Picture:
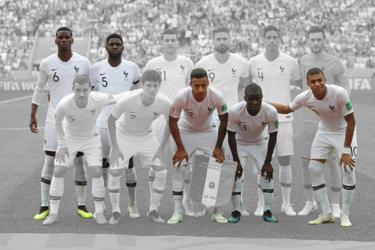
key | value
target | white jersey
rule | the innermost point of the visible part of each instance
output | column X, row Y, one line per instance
column 252, row 129
column 331, row 109
column 174, row 74
column 274, row 78
column 80, row 122
column 136, row 118
column 59, row 76
column 225, row 76
column 198, row 116
column 113, row 80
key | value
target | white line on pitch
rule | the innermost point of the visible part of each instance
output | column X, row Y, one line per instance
column 18, row 129
column 16, row 99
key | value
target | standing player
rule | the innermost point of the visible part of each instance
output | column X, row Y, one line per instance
column 80, row 110
column 134, row 136
column 247, row 137
column 114, row 75
column 227, row 72
column 175, row 71
column 197, row 129
column 335, row 134
column 274, row 71
column 58, row 71
column 334, row 72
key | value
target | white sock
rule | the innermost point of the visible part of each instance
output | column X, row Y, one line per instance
column 55, row 193
column 157, row 189
column 177, row 198
column 285, row 178
column 349, row 182
column 81, row 194
column 267, row 190
column 307, row 181
column 98, row 193
column 236, row 195
column 335, row 180
column 260, row 192
column 319, row 185
column 44, row 191
column 114, row 192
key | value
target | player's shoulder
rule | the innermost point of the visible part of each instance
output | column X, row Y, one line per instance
column 129, row 64
column 98, row 95
column 215, row 92
column 163, row 98
column 79, row 57
column 66, row 99
column 99, row 64
column 257, row 58
column 286, row 57
column 268, row 108
column 157, row 59
column 185, row 59
column 236, row 108
column 206, row 59
column 48, row 61
column 336, row 89
column 237, row 57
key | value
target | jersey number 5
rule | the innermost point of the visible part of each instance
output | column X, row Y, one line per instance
column 104, row 82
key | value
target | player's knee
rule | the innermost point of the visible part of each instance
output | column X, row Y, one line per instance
column 48, row 167
column 97, row 172
column 284, row 160
column 80, row 173
column 60, row 171
column 115, row 172
column 348, row 178
column 160, row 180
column 114, row 183
column 130, row 176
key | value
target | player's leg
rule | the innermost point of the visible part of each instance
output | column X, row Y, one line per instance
column 56, row 191
column 310, row 204
column 285, row 150
column 178, row 174
column 131, row 184
column 80, row 180
column 49, row 147
column 335, row 183
column 114, row 177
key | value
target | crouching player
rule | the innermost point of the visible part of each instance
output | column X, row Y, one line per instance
column 335, row 134
column 134, row 136
column 78, row 111
column 247, row 124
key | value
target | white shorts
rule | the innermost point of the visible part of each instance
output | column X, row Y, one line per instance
column 324, row 144
column 307, row 126
column 50, row 137
column 284, row 143
column 91, row 147
column 197, row 140
column 257, row 152
column 144, row 147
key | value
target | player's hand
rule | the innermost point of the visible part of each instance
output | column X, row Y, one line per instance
column 239, row 171
column 33, row 124
column 218, row 154
column 347, row 161
column 179, row 156
column 62, row 153
column 267, row 171
column 116, row 155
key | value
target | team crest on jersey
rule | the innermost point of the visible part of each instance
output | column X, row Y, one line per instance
column 331, row 108
column 243, row 126
column 126, row 74
column 264, row 123
column 70, row 118
column 182, row 67
column 234, row 70
column 210, row 109
column 156, row 114
column 282, row 69
column 132, row 115
column 93, row 111
column 76, row 69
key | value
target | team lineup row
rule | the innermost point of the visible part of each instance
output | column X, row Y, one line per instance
column 194, row 103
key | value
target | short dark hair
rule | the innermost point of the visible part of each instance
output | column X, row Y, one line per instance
column 253, row 89
column 313, row 71
column 171, row 31
column 81, row 79
column 64, row 29
column 114, row 35
column 271, row 28
column 220, row 29
column 151, row 76
column 198, row 73
column 316, row 29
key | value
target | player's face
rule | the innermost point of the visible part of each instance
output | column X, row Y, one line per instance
column 199, row 87
column 81, row 91
column 316, row 41
column 221, row 42
column 151, row 88
column 317, row 84
column 253, row 103
column 170, row 43
column 114, row 47
column 272, row 40
column 64, row 40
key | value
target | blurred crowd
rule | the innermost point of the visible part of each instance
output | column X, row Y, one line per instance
column 349, row 25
